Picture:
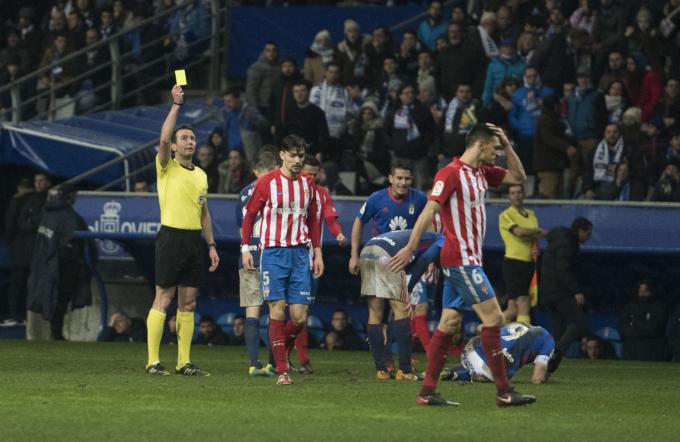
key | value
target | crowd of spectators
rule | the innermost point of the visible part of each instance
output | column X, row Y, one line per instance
column 35, row 34
column 587, row 90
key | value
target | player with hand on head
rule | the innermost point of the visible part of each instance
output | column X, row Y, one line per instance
column 182, row 196
column 523, row 344
column 458, row 195
column 285, row 200
column 394, row 208
column 249, row 281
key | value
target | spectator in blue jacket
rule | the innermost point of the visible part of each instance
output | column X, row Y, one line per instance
column 507, row 64
column 433, row 26
column 243, row 124
column 526, row 108
column 584, row 108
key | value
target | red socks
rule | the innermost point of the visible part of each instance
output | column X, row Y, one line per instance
column 436, row 357
column 493, row 351
column 301, row 346
column 277, row 339
column 419, row 328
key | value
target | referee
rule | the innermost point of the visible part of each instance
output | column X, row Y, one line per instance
column 182, row 192
column 520, row 233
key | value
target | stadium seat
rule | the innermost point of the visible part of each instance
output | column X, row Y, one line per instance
column 614, row 337
column 315, row 328
column 358, row 327
column 226, row 323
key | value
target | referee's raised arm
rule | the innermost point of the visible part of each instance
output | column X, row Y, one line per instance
column 169, row 125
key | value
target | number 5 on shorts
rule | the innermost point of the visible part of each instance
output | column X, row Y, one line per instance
column 265, row 278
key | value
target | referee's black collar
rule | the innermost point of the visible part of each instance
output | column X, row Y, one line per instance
column 188, row 168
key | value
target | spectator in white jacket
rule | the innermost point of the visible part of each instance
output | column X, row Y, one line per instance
column 336, row 103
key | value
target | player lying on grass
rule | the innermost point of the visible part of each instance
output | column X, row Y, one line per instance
column 522, row 345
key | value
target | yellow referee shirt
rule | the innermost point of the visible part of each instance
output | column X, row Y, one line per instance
column 516, row 247
column 181, row 194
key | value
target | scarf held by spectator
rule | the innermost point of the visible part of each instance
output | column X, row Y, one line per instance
column 603, row 159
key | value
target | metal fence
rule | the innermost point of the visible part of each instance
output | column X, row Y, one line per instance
column 121, row 66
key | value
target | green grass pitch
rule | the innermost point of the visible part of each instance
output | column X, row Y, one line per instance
column 99, row 392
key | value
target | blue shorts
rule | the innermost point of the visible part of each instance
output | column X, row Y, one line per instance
column 285, row 275
column 465, row 286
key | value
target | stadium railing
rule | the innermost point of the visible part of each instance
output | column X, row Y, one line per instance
column 116, row 65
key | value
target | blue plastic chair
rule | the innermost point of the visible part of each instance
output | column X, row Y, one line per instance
column 315, row 328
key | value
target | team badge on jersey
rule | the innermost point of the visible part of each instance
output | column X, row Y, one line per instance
column 438, row 187
column 411, row 209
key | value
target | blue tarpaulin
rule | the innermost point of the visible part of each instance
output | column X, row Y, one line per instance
column 71, row 146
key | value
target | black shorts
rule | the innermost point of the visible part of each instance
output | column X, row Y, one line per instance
column 517, row 277
column 179, row 258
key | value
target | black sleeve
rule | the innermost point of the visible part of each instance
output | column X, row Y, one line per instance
column 11, row 219
column 565, row 258
column 652, row 326
column 588, row 181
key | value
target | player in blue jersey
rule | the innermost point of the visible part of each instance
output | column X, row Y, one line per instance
column 249, row 282
column 379, row 283
column 522, row 344
column 395, row 208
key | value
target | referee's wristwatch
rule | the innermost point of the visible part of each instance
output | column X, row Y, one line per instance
column 212, row 244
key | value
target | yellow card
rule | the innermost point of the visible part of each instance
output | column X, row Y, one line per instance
column 180, row 77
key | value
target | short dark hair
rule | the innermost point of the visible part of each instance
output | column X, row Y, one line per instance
column 581, row 223
column 341, row 310
column 234, row 90
column 294, row 142
column 310, row 160
column 510, row 186
column 481, row 132
column 400, row 164
column 239, row 316
column 266, row 161
column 173, row 139
column 301, row 82
column 207, row 318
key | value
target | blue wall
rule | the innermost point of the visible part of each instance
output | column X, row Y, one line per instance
column 294, row 28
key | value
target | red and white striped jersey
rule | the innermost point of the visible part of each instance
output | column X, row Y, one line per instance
column 460, row 189
column 287, row 211
column 325, row 210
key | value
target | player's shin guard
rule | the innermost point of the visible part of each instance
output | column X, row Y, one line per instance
column 154, row 330
column 301, row 346
column 436, row 358
column 493, row 352
column 185, row 333
column 277, row 338
column 376, row 342
column 402, row 335
column 419, row 325
column 252, row 338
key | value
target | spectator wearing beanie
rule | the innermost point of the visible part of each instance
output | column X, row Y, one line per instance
column 350, row 52
column 319, row 54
